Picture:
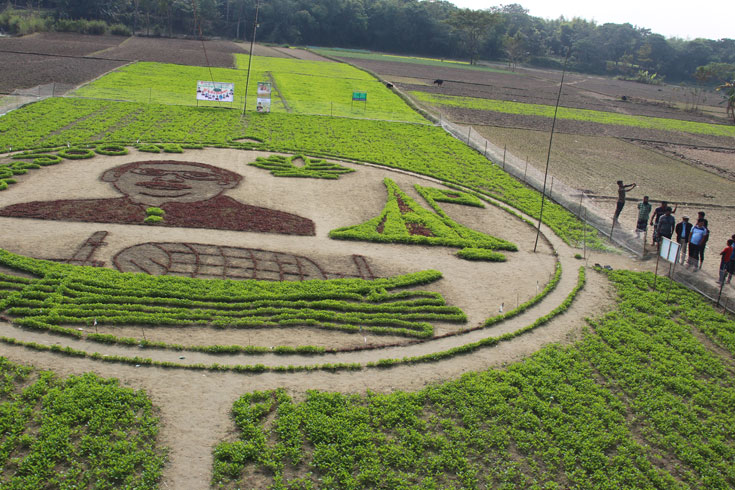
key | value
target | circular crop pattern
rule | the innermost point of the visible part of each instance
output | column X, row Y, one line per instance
column 112, row 150
column 45, row 160
column 76, row 153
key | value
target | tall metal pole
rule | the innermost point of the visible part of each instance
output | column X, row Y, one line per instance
column 548, row 154
column 250, row 56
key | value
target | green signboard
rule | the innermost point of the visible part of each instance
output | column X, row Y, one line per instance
column 359, row 96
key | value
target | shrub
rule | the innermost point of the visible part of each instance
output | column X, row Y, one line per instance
column 120, row 30
column 152, row 220
column 480, row 254
column 95, row 27
column 76, row 153
column 172, row 148
column 111, row 150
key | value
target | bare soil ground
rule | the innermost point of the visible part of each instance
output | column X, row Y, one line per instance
column 180, row 51
column 720, row 161
column 301, row 54
column 59, row 43
column 68, row 60
column 22, row 71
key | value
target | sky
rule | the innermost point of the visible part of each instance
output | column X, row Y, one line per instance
column 674, row 18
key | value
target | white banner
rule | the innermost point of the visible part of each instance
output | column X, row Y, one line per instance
column 264, row 105
column 217, row 91
column 264, row 97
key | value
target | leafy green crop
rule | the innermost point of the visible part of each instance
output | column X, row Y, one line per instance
column 72, row 295
column 305, row 87
column 648, row 122
column 282, row 166
column 423, row 149
column 57, row 122
column 404, row 221
column 639, row 403
column 434, row 195
column 165, row 83
column 78, row 432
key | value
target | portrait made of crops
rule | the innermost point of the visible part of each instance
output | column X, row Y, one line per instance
column 303, row 244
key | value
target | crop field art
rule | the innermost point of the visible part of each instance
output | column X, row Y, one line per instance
column 338, row 294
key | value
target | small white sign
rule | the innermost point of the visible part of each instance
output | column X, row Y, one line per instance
column 669, row 249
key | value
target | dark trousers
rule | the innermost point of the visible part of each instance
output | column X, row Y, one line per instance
column 619, row 208
column 694, row 254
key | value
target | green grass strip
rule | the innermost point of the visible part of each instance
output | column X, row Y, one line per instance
column 258, row 368
column 588, row 115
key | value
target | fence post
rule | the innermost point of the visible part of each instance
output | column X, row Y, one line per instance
column 485, row 149
column 584, row 228
column 504, row 148
column 551, row 190
column 579, row 210
column 469, row 132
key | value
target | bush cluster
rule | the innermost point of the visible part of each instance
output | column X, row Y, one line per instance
column 283, row 166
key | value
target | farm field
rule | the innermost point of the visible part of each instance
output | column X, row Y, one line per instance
column 629, row 140
column 309, row 301
column 539, row 86
column 67, row 60
column 366, row 55
column 646, row 122
column 303, row 87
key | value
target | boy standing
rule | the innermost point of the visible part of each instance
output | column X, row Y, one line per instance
column 622, row 189
column 725, row 268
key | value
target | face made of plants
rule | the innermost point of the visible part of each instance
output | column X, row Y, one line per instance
column 156, row 183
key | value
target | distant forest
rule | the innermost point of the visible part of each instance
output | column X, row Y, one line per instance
column 434, row 28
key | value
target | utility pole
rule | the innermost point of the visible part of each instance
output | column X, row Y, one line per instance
column 548, row 154
column 250, row 56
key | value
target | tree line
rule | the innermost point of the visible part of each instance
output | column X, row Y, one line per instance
column 419, row 27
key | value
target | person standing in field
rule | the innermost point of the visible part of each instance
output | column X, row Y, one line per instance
column 696, row 240
column 644, row 211
column 700, row 215
column 683, row 229
column 622, row 189
column 657, row 213
column 666, row 225
column 725, row 259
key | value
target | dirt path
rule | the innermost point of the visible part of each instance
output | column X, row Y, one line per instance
column 194, row 405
